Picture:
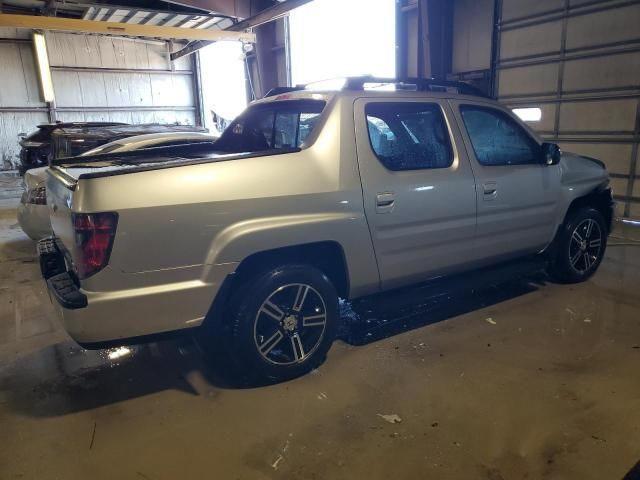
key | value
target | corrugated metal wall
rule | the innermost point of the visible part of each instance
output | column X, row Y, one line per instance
column 20, row 105
column 99, row 78
column 95, row 78
column 579, row 61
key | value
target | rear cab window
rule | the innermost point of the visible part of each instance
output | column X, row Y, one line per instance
column 409, row 135
column 278, row 125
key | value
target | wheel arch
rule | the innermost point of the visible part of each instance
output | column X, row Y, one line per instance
column 327, row 256
column 600, row 199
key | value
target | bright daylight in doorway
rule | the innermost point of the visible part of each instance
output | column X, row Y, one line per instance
column 332, row 38
column 224, row 94
column 350, row 48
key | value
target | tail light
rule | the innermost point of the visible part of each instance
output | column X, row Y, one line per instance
column 94, row 233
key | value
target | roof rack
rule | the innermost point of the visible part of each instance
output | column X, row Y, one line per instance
column 280, row 90
column 417, row 84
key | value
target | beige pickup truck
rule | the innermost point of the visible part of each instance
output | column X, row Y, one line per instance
column 309, row 196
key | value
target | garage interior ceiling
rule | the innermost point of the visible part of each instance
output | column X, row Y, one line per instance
column 118, row 28
column 154, row 13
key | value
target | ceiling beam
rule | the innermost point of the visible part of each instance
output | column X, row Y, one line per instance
column 83, row 6
column 230, row 8
column 121, row 29
column 267, row 15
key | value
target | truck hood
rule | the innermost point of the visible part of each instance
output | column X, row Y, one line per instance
column 578, row 170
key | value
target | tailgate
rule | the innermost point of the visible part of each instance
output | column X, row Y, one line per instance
column 61, row 190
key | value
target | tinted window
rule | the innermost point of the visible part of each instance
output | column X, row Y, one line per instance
column 409, row 136
column 271, row 126
column 498, row 139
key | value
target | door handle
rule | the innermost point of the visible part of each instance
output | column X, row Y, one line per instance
column 385, row 202
column 490, row 190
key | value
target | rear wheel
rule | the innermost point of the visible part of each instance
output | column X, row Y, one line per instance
column 579, row 246
column 283, row 322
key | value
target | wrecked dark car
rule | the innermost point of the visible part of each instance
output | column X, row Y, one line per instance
column 71, row 139
column 71, row 142
column 36, row 147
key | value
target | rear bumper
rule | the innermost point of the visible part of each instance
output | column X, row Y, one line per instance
column 61, row 284
column 96, row 318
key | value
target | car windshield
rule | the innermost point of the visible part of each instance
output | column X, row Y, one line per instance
column 271, row 126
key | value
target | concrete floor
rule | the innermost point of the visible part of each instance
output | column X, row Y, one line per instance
column 523, row 380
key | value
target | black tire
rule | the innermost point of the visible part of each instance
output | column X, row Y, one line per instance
column 579, row 246
column 270, row 343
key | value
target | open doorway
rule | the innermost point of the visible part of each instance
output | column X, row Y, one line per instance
column 338, row 38
column 224, row 94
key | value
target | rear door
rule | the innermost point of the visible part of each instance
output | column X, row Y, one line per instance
column 419, row 190
column 517, row 193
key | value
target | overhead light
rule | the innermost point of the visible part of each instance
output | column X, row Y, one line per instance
column 44, row 72
column 533, row 114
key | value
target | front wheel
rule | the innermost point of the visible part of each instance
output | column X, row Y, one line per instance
column 579, row 246
column 283, row 322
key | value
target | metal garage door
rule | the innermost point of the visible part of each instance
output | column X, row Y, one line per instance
column 20, row 106
column 100, row 78
column 579, row 61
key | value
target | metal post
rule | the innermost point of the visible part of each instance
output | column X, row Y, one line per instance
column 287, row 51
column 634, row 163
column 439, row 32
column 560, row 84
column 170, row 65
column 51, row 111
column 197, row 91
column 401, row 40
column 495, row 48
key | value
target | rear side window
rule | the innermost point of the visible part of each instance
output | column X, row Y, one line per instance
column 497, row 138
column 409, row 135
column 271, row 126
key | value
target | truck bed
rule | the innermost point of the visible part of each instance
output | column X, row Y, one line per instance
column 73, row 169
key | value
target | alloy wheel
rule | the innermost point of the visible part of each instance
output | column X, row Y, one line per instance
column 585, row 246
column 290, row 324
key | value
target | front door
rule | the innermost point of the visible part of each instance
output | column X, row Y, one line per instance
column 517, row 193
column 418, row 187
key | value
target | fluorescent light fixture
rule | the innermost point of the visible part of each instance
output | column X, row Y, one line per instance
column 44, row 72
column 533, row 114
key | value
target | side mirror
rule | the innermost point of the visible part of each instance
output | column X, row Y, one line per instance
column 551, row 153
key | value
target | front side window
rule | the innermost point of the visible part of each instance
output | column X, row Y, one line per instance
column 497, row 138
column 409, row 135
column 271, row 126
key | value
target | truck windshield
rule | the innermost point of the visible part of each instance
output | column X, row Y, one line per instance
column 271, row 126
